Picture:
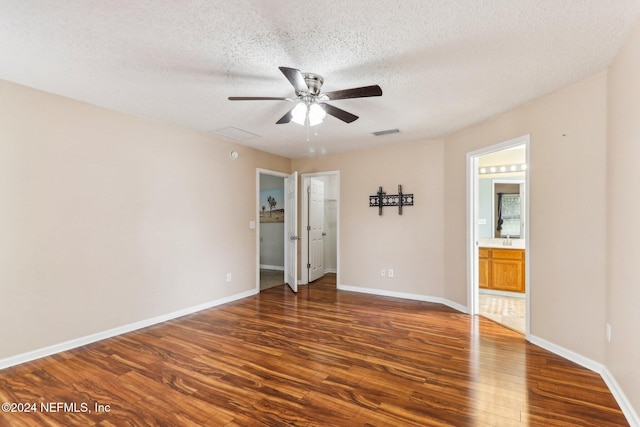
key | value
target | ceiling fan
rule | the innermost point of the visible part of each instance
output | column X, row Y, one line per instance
column 312, row 107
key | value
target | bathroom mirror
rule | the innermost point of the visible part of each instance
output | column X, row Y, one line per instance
column 501, row 208
column 508, row 215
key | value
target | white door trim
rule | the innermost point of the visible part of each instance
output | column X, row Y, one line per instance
column 304, row 222
column 472, row 224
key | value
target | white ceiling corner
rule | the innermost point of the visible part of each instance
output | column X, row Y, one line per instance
column 442, row 65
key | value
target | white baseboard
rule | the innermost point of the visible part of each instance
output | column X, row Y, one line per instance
column 416, row 297
column 272, row 267
column 77, row 342
column 566, row 353
column 626, row 407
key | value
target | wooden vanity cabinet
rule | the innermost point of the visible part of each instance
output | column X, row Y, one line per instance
column 484, row 268
column 501, row 269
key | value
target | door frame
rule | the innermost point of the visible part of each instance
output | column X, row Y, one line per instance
column 472, row 224
column 304, row 222
column 259, row 172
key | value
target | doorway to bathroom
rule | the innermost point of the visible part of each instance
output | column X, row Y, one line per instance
column 498, row 233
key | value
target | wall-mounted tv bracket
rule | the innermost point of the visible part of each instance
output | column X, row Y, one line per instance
column 381, row 199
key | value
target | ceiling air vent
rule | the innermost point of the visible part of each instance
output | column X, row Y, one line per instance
column 386, row 132
column 235, row 133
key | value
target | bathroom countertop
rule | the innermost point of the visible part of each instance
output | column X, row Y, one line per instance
column 498, row 244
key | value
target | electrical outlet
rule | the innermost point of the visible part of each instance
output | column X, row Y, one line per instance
column 228, row 277
column 391, row 273
column 383, row 272
column 608, row 332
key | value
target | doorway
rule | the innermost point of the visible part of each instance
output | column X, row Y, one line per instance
column 498, row 233
column 276, row 224
column 271, row 232
column 320, row 225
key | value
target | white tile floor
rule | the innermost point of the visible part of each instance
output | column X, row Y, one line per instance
column 508, row 311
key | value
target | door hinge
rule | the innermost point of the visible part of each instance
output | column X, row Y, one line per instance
column 308, row 265
column 308, row 228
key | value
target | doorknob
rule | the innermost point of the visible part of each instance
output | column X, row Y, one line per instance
column 324, row 234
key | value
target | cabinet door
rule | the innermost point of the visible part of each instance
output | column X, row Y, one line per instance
column 508, row 275
column 484, row 273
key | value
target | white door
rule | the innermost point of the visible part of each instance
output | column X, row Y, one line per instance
column 291, row 231
column 316, row 229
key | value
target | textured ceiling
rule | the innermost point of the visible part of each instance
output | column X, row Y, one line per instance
column 442, row 65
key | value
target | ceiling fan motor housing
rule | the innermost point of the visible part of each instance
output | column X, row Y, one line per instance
column 314, row 83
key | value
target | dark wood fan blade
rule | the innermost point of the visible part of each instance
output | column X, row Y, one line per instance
column 358, row 92
column 286, row 118
column 295, row 78
column 339, row 113
column 257, row 98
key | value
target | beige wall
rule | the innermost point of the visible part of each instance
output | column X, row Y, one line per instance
column 568, row 211
column 108, row 219
column 623, row 353
column 410, row 244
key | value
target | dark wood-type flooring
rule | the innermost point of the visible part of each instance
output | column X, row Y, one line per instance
column 319, row 358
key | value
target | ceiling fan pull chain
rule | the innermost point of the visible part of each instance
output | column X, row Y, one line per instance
column 306, row 122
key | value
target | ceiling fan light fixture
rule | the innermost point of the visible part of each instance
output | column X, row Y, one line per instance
column 313, row 112
column 316, row 114
column 299, row 113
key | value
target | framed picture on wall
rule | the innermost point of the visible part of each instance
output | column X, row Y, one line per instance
column 272, row 205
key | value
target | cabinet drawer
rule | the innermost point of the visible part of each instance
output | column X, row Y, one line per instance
column 508, row 254
column 483, row 252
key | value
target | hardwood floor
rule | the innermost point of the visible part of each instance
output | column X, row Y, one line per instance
column 319, row 358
